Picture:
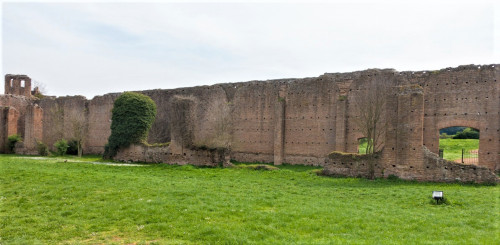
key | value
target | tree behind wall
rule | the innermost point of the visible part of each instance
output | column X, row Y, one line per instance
column 79, row 125
column 370, row 106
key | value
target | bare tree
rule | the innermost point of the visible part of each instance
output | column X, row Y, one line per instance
column 57, row 121
column 370, row 105
column 80, row 128
column 42, row 89
column 159, row 132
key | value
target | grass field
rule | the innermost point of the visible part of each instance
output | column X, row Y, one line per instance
column 50, row 201
column 452, row 148
column 362, row 147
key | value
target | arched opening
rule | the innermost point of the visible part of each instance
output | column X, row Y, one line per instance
column 362, row 145
column 459, row 144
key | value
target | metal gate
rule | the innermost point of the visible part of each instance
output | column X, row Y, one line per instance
column 470, row 156
column 467, row 156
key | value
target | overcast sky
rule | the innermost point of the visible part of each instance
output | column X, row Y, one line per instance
column 97, row 48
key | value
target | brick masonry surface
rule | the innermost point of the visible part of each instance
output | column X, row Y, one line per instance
column 296, row 121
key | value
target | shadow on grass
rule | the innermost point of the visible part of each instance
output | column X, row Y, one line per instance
column 295, row 168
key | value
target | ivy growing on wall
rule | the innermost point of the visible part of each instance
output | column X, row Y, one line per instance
column 132, row 117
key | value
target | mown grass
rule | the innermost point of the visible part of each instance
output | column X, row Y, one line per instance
column 52, row 201
column 362, row 147
column 452, row 148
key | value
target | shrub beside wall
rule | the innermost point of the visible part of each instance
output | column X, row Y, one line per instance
column 12, row 140
column 133, row 115
column 61, row 147
column 43, row 149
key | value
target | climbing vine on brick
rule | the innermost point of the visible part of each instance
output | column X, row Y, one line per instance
column 132, row 117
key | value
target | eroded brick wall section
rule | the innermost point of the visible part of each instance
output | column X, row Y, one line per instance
column 409, row 136
column 353, row 165
column 437, row 169
column 99, row 123
column 33, row 131
column 310, row 124
column 254, row 120
column 8, row 125
column 463, row 96
column 141, row 153
column 299, row 121
column 61, row 117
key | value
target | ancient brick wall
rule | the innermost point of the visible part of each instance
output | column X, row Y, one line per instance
column 8, row 125
column 437, row 169
column 254, row 120
column 433, row 168
column 15, row 108
column 99, row 123
column 18, row 85
column 300, row 121
column 61, row 115
column 162, row 154
column 353, row 165
column 33, row 131
column 402, row 155
column 3, row 128
column 463, row 96
column 310, row 123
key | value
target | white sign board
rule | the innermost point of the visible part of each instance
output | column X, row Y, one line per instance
column 437, row 194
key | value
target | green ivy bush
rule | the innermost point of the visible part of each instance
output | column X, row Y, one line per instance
column 61, row 147
column 12, row 140
column 43, row 149
column 133, row 115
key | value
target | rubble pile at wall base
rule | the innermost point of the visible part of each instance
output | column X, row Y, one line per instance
column 164, row 154
column 435, row 169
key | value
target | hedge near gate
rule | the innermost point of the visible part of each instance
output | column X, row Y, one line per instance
column 132, row 116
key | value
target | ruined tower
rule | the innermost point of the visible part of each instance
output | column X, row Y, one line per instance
column 18, row 85
column 20, row 115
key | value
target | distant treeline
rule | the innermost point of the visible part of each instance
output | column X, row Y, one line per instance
column 459, row 133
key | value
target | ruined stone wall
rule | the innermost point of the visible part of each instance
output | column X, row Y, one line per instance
column 463, row 96
column 434, row 168
column 403, row 153
column 18, row 85
column 254, row 121
column 99, row 123
column 300, row 121
column 353, row 165
column 14, row 116
column 8, row 125
column 354, row 87
column 161, row 154
column 33, row 132
column 60, row 117
column 437, row 169
column 310, row 123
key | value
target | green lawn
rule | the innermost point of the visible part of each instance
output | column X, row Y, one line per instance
column 51, row 201
column 362, row 147
column 453, row 147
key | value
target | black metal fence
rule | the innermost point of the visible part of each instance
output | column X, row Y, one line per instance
column 470, row 156
column 467, row 157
